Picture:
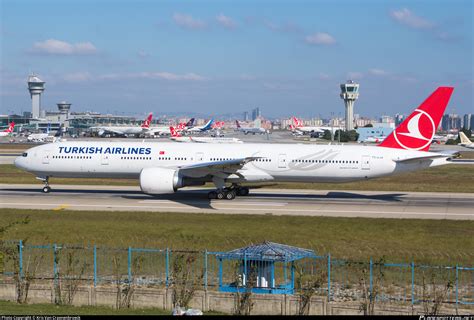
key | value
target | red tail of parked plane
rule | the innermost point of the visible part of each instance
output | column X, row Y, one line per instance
column 146, row 123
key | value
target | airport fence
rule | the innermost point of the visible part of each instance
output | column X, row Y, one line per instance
column 337, row 279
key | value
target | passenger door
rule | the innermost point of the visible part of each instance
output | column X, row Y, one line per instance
column 365, row 163
column 105, row 159
column 199, row 157
column 46, row 156
column 282, row 160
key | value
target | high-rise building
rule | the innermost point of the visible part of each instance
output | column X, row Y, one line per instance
column 399, row 119
column 450, row 122
column 256, row 113
column 246, row 116
column 467, row 123
column 349, row 93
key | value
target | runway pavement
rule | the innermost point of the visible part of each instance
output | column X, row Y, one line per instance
column 451, row 206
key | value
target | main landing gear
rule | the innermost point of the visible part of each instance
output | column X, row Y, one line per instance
column 228, row 193
column 46, row 188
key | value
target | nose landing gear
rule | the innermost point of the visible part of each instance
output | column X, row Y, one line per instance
column 46, row 188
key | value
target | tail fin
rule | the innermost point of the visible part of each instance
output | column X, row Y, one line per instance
column 237, row 123
column 417, row 131
column 146, row 123
column 297, row 122
column 10, row 127
column 208, row 124
column 190, row 123
column 174, row 133
column 464, row 138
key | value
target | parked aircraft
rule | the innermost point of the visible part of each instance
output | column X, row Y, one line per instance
column 41, row 137
column 298, row 126
column 163, row 168
column 123, row 131
column 465, row 142
column 165, row 130
column 373, row 139
column 9, row 131
column 206, row 127
column 247, row 130
column 176, row 136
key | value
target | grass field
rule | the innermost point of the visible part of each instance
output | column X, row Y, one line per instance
column 399, row 240
column 450, row 178
column 12, row 308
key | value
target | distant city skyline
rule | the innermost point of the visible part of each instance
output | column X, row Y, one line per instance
column 209, row 57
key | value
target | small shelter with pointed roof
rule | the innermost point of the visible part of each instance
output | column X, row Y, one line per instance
column 267, row 267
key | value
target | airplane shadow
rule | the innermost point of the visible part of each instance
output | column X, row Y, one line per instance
column 198, row 198
column 195, row 198
column 391, row 197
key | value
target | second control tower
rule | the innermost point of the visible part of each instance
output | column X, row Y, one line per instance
column 349, row 93
column 36, row 88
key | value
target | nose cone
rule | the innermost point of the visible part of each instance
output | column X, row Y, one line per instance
column 20, row 163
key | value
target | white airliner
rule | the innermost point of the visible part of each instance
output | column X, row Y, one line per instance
column 298, row 127
column 165, row 167
column 122, row 131
column 247, row 130
column 42, row 137
column 176, row 136
column 206, row 127
column 465, row 142
column 165, row 130
column 9, row 131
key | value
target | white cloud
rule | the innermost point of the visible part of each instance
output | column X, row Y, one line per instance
column 143, row 54
column 320, row 38
column 187, row 21
column 354, row 75
column 78, row 77
column 378, row 72
column 154, row 76
column 324, row 76
column 57, row 47
column 287, row 27
column 406, row 17
column 226, row 22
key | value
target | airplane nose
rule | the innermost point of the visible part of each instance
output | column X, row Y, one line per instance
column 19, row 163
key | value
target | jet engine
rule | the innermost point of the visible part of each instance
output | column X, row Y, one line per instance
column 159, row 180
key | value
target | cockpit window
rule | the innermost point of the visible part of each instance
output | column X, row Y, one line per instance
column 25, row 154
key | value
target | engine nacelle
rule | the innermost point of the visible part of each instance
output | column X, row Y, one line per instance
column 159, row 180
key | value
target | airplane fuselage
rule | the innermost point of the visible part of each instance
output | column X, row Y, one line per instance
column 278, row 162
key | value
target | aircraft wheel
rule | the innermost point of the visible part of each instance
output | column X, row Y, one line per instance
column 46, row 189
column 220, row 195
column 230, row 195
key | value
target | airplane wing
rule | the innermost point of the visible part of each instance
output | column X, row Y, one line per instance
column 215, row 167
column 430, row 156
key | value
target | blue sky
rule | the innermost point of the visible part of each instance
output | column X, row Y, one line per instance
column 216, row 57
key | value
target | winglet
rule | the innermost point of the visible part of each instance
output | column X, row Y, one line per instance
column 417, row 131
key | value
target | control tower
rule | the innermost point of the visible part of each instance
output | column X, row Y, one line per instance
column 349, row 93
column 36, row 88
column 64, row 108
